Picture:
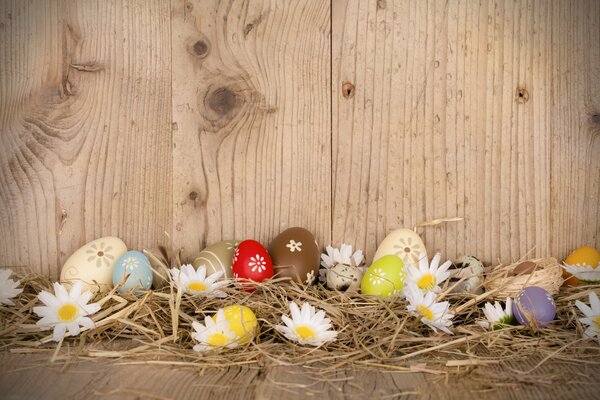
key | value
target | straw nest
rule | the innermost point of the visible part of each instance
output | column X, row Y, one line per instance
column 155, row 328
column 503, row 282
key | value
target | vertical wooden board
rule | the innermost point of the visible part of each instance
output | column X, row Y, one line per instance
column 84, row 127
column 574, row 125
column 251, row 118
column 460, row 121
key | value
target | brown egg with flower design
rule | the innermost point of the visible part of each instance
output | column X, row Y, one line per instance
column 296, row 255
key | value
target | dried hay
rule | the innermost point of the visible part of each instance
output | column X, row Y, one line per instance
column 373, row 332
column 502, row 282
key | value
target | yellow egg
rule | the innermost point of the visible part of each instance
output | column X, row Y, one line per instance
column 581, row 256
column 242, row 321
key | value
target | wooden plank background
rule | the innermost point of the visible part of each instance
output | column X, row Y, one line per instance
column 218, row 119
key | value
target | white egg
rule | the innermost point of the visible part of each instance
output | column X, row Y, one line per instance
column 93, row 263
column 404, row 243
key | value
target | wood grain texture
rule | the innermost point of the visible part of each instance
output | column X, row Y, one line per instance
column 251, row 111
column 477, row 109
column 220, row 119
column 31, row 377
column 84, row 127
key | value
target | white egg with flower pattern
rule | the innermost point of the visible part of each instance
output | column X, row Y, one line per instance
column 137, row 266
column 93, row 264
column 403, row 243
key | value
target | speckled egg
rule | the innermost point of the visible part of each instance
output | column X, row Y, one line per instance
column 534, row 307
column 93, row 264
column 135, row 264
column 344, row 277
column 385, row 277
column 403, row 243
column 217, row 258
column 296, row 255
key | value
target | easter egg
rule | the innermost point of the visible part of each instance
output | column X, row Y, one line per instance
column 251, row 262
column 242, row 322
column 344, row 277
column 384, row 277
column 135, row 264
column 534, row 307
column 217, row 258
column 524, row 268
column 403, row 243
column 93, row 264
column 582, row 256
column 295, row 255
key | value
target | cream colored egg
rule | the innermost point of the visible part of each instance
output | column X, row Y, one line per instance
column 93, row 263
column 404, row 243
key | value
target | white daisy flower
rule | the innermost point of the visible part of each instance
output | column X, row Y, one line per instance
column 422, row 304
column 196, row 282
column 213, row 334
column 428, row 277
column 308, row 326
column 496, row 315
column 592, row 316
column 8, row 287
column 584, row 273
column 66, row 311
column 343, row 255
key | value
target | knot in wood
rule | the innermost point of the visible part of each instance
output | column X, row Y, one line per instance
column 193, row 195
column 222, row 101
column 200, row 48
column 347, row 90
column 522, row 95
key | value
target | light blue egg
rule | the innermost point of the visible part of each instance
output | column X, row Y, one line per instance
column 137, row 266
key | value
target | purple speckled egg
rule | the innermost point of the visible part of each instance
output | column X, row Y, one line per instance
column 535, row 307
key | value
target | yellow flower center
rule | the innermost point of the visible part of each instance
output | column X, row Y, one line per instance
column 196, row 286
column 597, row 321
column 426, row 312
column 427, row 282
column 67, row 312
column 305, row 332
column 217, row 340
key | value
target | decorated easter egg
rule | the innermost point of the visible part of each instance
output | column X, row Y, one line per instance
column 217, row 258
column 296, row 255
column 582, row 256
column 251, row 262
column 93, row 264
column 384, row 277
column 534, row 307
column 135, row 264
column 344, row 277
column 524, row 268
column 466, row 276
column 242, row 322
column 403, row 243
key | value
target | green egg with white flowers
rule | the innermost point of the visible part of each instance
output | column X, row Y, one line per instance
column 385, row 277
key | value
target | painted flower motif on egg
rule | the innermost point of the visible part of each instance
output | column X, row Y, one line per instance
column 135, row 264
column 252, row 262
column 403, row 243
column 385, row 277
column 296, row 255
column 93, row 264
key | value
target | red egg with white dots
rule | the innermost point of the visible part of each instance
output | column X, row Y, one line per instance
column 251, row 262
